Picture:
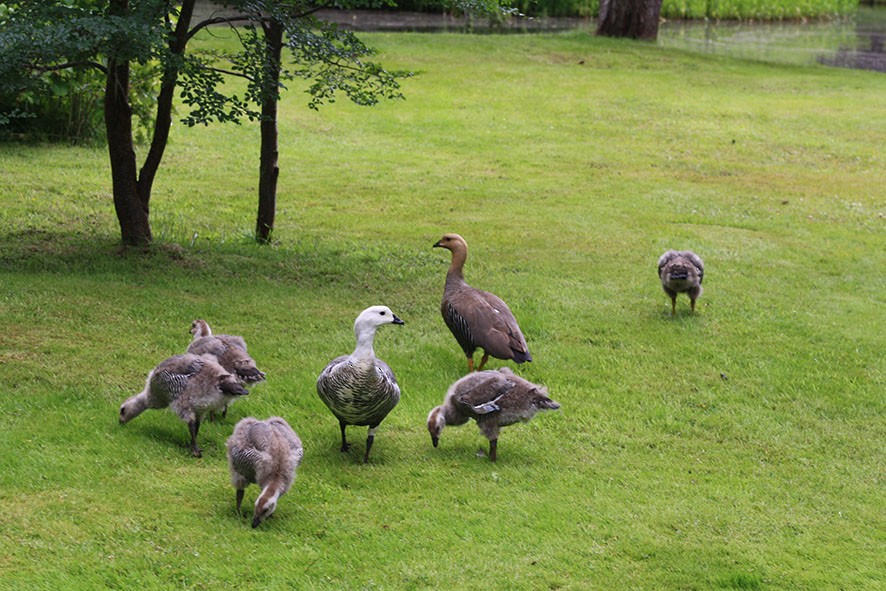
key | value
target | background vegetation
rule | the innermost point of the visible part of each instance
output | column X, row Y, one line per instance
column 739, row 448
column 675, row 9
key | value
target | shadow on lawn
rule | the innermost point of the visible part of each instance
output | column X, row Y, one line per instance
column 307, row 263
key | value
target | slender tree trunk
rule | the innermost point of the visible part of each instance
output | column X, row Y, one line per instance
column 163, row 119
column 131, row 207
column 635, row 19
column 268, row 169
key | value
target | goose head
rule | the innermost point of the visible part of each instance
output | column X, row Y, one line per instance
column 131, row 408
column 453, row 243
column 373, row 317
column 436, row 422
column 265, row 505
column 199, row 328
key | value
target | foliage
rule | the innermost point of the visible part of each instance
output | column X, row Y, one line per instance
column 51, row 82
column 334, row 59
column 738, row 448
column 672, row 9
column 757, row 9
column 44, row 36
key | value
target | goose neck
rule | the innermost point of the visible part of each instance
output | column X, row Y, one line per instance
column 365, row 340
column 457, row 265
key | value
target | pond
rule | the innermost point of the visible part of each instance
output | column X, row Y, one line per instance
column 852, row 42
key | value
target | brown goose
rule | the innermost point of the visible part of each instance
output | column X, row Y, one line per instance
column 681, row 271
column 494, row 399
column 478, row 319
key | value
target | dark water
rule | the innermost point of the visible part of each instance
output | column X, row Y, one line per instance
column 852, row 42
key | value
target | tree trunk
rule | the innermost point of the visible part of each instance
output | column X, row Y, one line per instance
column 132, row 188
column 163, row 119
column 635, row 19
column 268, row 169
column 131, row 207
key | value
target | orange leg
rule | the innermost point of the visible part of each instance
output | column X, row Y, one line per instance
column 483, row 361
column 470, row 364
column 673, row 305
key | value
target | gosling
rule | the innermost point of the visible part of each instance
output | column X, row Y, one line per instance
column 190, row 385
column 229, row 349
column 267, row 453
column 494, row 399
column 681, row 271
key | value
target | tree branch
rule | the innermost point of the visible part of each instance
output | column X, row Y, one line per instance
column 66, row 65
column 230, row 73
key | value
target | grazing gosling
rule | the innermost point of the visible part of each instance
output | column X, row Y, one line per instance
column 229, row 349
column 681, row 271
column 266, row 453
column 361, row 389
column 494, row 399
column 190, row 385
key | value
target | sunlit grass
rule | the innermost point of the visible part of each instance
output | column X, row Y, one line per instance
column 738, row 448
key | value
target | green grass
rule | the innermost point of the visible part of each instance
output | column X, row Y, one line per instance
column 737, row 448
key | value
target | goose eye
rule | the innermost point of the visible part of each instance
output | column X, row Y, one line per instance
column 382, row 312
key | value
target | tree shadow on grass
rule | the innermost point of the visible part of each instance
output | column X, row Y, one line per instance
column 309, row 263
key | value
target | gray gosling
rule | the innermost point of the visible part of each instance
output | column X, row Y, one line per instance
column 478, row 319
column 229, row 349
column 190, row 385
column 359, row 388
column 494, row 399
column 681, row 271
column 266, row 453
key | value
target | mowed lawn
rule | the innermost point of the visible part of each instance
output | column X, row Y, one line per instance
column 740, row 447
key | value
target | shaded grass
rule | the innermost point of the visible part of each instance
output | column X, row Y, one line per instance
column 739, row 448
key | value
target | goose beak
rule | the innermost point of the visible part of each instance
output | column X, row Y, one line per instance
column 437, row 245
column 255, row 522
column 397, row 320
column 435, row 440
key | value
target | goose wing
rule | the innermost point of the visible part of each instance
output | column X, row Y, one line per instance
column 208, row 346
column 482, row 395
column 171, row 376
column 489, row 322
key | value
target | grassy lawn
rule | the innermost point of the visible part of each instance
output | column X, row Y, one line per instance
column 738, row 448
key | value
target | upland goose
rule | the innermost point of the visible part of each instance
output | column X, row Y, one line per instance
column 494, row 399
column 359, row 388
column 265, row 453
column 478, row 319
column 681, row 271
column 191, row 385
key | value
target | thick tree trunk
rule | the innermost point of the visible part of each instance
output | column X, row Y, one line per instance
column 132, row 188
column 635, row 19
column 268, row 169
column 131, row 206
